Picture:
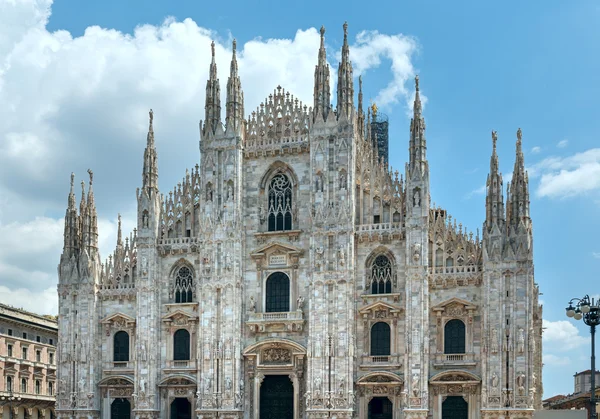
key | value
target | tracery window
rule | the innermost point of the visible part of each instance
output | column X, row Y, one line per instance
column 184, row 285
column 380, row 339
column 280, row 203
column 454, row 337
column 181, row 345
column 277, row 293
column 381, row 275
column 121, row 347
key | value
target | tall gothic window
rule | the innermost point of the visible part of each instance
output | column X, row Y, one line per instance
column 278, row 293
column 280, row 203
column 184, row 284
column 454, row 337
column 380, row 339
column 181, row 345
column 381, row 275
column 121, row 347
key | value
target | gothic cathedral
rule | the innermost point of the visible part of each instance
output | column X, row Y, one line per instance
column 291, row 275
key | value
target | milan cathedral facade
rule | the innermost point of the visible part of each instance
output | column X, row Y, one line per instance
column 292, row 274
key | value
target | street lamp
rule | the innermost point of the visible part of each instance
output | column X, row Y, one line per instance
column 11, row 398
column 589, row 311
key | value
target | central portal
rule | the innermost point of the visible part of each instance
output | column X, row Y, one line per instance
column 181, row 409
column 276, row 397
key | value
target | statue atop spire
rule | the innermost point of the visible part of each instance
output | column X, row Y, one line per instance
column 235, row 96
column 494, row 201
column 212, row 104
column 345, row 86
column 150, row 168
column 418, row 144
column 322, row 93
column 518, row 197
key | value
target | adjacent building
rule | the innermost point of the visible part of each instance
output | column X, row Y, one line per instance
column 27, row 364
column 292, row 274
column 580, row 398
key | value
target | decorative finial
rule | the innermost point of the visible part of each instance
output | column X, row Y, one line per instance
column 151, row 116
column 345, row 29
column 360, row 82
column 494, row 138
column 322, row 31
column 82, row 188
column 519, row 134
column 72, row 180
column 91, row 176
column 234, row 45
column 212, row 48
column 417, row 82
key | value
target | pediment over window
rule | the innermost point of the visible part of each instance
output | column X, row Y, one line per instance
column 380, row 378
column 380, row 310
column 277, row 254
column 274, row 343
column 454, row 307
column 179, row 318
column 454, row 377
column 116, row 381
column 178, row 380
column 119, row 320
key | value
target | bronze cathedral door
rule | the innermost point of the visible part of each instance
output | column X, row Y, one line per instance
column 276, row 397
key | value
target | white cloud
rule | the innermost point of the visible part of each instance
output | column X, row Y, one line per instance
column 536, row 149
column 562, row 335
column 40, row 302
column 562, row 143
column 71, row 103
column 556, row 360
column 562, row 177
column 596, row 255
column 475, row 192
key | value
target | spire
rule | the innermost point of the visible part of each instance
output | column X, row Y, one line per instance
column 518, row 200
column 361, row 114
column 235, row 96
column 119, row 233
column 494, row 202
column 71, row 232
column 418, row 144
column 212, row 107
column 345, row 87
column 150, row 170
column 91, row 215
column 322, row 93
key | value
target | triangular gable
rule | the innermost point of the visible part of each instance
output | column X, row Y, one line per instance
column 178, row 314
column 118, row 317
column 273, row 247
column 442, row 306
column 380, row 305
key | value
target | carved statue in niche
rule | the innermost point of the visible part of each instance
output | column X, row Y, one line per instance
column 521, row 383
column 415, row 385
column 342, row 387
column 229, row 193
column 82, row 385
column 228, row 261
column 319, row 252
column 198, row 400
column 533, row 380
column 319, row 183
column 417, row 198
column 207, row 385
column 341, row 256
column 494, row 342
column 495, row 380
column 300, row 303
column 252, row 304
column 145, row 219
column 343, row 180
column 209, row 193
column 318, row 349
column 143, row 353
column 521, row 341
column 317, row 385
column 142, row 388
column 416, row 252
column 228, row 384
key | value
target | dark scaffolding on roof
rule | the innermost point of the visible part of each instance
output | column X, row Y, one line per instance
column 380, row 133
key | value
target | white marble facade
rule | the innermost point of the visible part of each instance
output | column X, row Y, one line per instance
column 292, row 273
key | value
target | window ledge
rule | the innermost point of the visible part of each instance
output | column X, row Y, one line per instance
column 291, row 321
column 292, row 235
column 380, row 362
column 454, row 360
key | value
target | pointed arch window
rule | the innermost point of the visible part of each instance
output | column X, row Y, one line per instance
column 380, row 339
column 121, row 347
column 181, row 345
column 454, row 337
column 184, row 285
column 280, row 203
column 381, row 275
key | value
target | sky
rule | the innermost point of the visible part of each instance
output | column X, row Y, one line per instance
column 77, row 80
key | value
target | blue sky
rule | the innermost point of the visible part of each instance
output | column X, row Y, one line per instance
column 73, row 96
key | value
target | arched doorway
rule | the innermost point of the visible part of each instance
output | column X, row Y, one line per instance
column 120, row 409
column 181, row 409
column 455, row 407
column 381, row 408
column 277, row 397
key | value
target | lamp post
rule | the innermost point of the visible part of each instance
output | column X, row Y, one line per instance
column 589, row 311
column 11, row 398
